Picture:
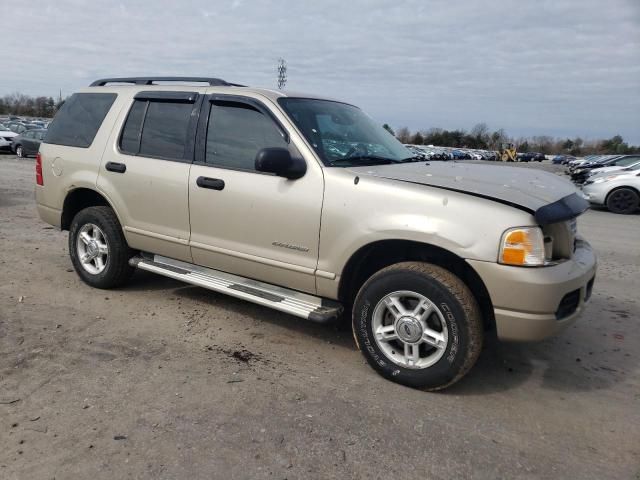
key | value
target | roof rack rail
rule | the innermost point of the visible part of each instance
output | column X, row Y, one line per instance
column 214, row 82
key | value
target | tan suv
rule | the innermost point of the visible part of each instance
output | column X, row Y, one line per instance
column 308, row 206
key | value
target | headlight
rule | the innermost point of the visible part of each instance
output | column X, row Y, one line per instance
column 604, row 179
column 522, row 246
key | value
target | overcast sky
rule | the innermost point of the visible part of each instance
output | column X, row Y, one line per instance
column 559, row 67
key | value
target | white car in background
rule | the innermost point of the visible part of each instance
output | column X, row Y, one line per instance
column 616, row 168
column 6, row 136
column 619, row 191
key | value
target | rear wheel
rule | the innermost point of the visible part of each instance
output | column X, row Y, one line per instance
column 623, row 200
column 418, row 324
column 98, row 249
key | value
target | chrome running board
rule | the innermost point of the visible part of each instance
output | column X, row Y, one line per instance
column 285, row 300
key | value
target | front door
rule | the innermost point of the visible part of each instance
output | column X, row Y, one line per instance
column 246, row 222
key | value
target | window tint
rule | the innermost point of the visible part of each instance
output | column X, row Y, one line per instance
column 130, row 139
column 162, row 132
column 236, row 133
column 79, row 119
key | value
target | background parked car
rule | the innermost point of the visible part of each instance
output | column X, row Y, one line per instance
column 580, row 174
column 563, row 159
column 634, row 164
column 619, row 192
column 6, row 136
column 27, row 143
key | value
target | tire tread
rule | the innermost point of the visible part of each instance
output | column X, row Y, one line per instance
column 119, row 251
column 463, row 295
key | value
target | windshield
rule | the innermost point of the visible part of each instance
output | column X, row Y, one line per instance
column 625, row 162
column 343, row 135
column 635, row 166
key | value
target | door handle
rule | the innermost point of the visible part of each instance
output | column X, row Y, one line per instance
column 212, row 183
column 116, row 167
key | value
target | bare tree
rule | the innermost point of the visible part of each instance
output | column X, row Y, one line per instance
column 403, row 134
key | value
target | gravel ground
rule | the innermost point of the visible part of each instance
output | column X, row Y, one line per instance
column 164, row 380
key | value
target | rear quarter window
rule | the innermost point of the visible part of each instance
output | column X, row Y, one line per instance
column 79, row 119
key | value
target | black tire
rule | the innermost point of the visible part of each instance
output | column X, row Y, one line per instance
column 20, row 151
column 623, row 200
column 117, row 270
column 460, row 309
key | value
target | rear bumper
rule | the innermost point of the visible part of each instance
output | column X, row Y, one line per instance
column 534, row 303
column 50, row 215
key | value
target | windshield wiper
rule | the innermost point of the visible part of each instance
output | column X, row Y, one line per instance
column 366, row 160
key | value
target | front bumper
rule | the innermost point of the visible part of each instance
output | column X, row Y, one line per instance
column 534, row 303
column 595, row 193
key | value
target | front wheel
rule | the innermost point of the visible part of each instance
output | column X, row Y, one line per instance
column 19, row 151
column 418, row 324
column 623, row 200
column 98, row 249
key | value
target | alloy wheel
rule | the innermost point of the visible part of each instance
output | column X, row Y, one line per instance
column 410, row 329
column 92, row 248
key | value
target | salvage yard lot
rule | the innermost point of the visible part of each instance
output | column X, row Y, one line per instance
column 165, row 380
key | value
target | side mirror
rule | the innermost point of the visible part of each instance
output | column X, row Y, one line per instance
column 279, row 161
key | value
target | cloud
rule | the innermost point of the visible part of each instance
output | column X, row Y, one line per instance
column 565, row 67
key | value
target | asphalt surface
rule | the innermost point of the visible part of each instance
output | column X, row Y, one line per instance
column 162, row 380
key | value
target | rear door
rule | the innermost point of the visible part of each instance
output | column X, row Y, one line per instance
column 247, row 222
column 145, row 170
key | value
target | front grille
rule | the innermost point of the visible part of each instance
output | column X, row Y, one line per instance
column 568, row 304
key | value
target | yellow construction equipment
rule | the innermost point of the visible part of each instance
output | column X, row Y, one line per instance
column 508, row 152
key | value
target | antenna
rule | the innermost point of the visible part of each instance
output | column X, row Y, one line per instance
column 282, row 73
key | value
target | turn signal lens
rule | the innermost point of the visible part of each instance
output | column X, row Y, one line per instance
column 523, row 246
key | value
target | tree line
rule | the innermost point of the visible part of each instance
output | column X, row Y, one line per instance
column 28, row 106
column 481, row 137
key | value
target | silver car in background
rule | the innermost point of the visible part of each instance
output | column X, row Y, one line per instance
column 619, row 191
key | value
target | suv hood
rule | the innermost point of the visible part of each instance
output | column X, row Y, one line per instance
column 547, row 196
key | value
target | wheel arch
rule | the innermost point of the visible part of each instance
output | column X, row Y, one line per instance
column 380, row 254
column 79, row 199
column 613, row 190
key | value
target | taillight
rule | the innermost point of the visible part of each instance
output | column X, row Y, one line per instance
column 39, row 179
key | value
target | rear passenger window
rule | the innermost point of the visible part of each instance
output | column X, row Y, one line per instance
column 79, row 119
column 156, row 128
column 130, row 139
column 236, row 132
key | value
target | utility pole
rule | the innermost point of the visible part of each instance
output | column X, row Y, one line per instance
column 282, row 73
